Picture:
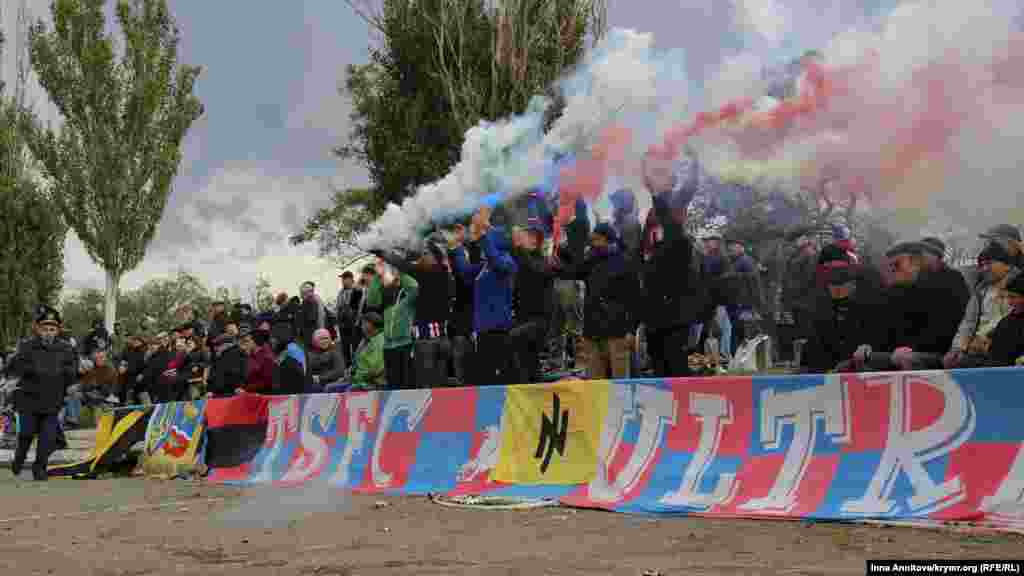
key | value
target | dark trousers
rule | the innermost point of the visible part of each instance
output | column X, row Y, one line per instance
column 31, row 424
column 398, row 367
column 492, row 363
column 527, row 340
column 430, row 362
column 461, row 356
column 667, row 349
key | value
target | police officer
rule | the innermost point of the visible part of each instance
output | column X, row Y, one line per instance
column 46, row 366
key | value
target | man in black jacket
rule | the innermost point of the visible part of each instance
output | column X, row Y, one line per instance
column 46, row 366
column 460, row 327
column 230, row 366
column 349, row 299
column 845, row 315
column 920, row 318
column 612, row 290
column 532, row 300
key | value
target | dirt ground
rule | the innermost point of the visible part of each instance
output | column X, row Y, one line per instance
column 133, row 526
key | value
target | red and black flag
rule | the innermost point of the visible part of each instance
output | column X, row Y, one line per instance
column 235, row 430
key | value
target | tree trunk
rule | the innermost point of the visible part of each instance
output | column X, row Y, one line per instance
column 110, row 306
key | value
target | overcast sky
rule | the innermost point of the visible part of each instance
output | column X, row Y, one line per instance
column 259, row 162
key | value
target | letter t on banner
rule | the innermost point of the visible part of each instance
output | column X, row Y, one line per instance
column 801, row 409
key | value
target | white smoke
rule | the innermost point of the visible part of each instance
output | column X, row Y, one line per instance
column 619, row 80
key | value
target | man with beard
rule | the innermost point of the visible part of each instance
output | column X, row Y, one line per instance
column 45, row 366
column 845, row 315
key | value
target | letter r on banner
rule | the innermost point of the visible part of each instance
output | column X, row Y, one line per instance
column 803, row 410
column 907, row 451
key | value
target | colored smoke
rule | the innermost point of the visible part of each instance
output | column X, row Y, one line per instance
column 907, row 114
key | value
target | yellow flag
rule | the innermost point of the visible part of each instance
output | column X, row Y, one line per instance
column 550, row 434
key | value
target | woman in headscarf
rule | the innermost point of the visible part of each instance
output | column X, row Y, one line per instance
column 326, row 362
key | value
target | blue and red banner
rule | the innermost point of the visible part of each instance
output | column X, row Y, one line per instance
column 945, row 446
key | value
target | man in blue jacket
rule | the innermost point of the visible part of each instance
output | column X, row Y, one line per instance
column 493, row 279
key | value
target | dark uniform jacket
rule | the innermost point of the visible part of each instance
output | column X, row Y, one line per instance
column 45, row 372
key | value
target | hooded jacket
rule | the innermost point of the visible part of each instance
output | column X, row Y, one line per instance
column 493, row 278
column 839, row 328
column 612, row 285
column 436, row 288
column 675, row 292
column 397, row 305
column 368, row 373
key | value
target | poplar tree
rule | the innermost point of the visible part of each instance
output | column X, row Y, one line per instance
column 126, row 109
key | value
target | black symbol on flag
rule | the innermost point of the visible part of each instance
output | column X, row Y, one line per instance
column 552, row 435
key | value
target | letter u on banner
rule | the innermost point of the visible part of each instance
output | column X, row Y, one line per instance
column 551, row 434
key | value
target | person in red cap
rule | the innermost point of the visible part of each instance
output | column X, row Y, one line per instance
column 45, row 366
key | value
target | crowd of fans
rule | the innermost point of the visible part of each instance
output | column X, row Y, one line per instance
column 477, row 306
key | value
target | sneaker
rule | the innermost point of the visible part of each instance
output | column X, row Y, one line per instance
column 40, row 476
column 113, row 399
column 16, row 468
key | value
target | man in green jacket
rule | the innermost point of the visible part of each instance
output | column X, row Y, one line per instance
column 393, row 295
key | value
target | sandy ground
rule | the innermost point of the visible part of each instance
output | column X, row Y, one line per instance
column 133, row 526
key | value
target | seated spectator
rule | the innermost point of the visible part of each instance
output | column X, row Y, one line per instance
column 1009, row 237
column 920, row 316
column 167, row 380
column 987, row 306
column 326, row 362
column 368, row 372
column 260, row 364
column 101, row 383
column 1007, row 348
column 134, row 362
column 229, row 364
column 845, row 314
column 290, row 375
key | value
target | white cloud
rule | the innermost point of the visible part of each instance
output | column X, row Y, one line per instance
column 229, row 240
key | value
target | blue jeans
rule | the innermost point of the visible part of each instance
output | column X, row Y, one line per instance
column 725, row 327
column 72, row 408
